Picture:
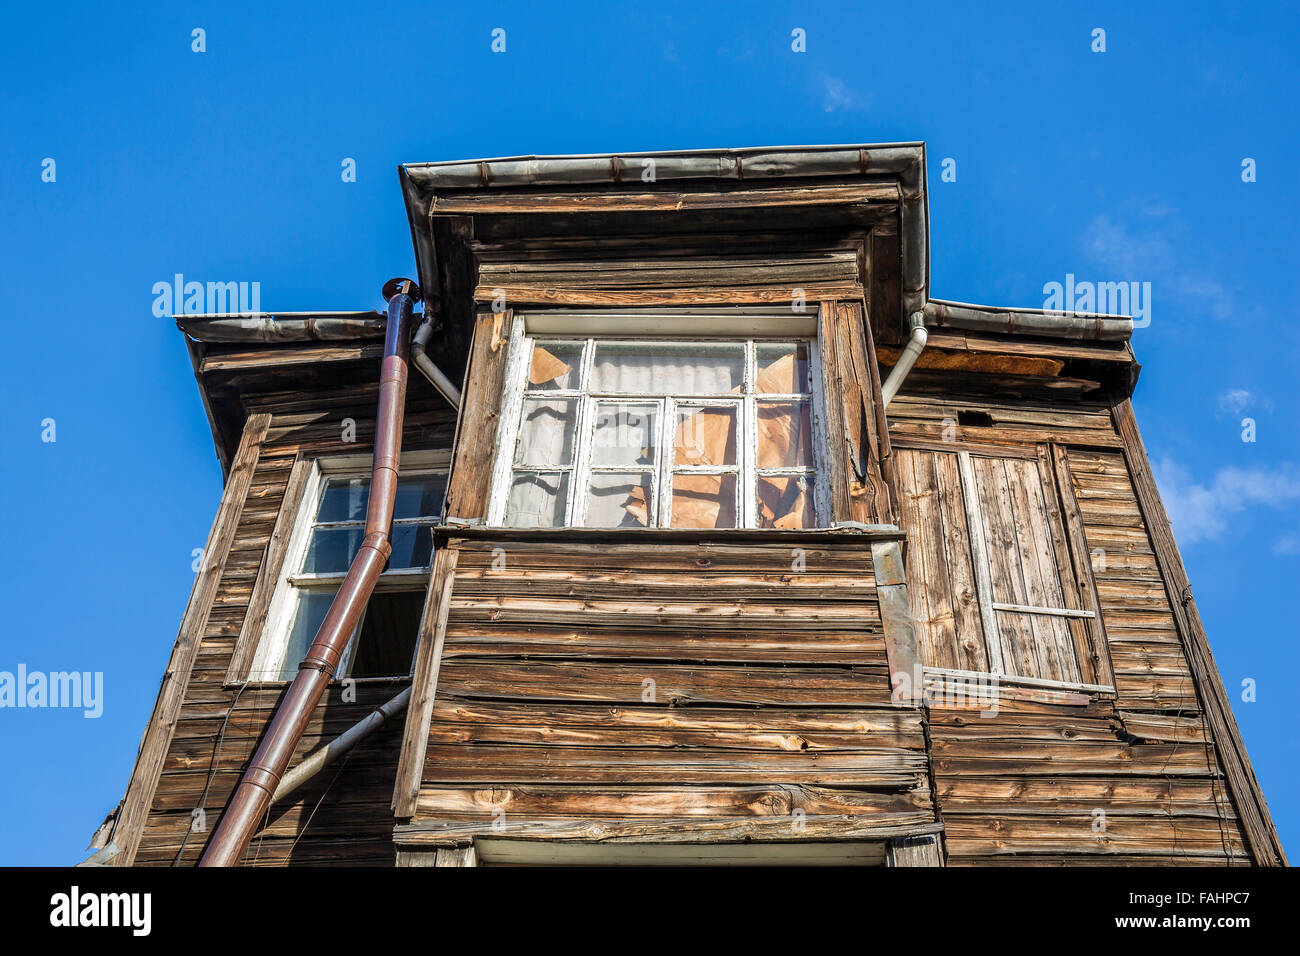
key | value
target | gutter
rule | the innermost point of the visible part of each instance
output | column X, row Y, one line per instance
column 425, row 364
column 259, row 782
column 282, row 327
column 915, row 345
column 989, row 318
column 421, row 183
column 322, row 757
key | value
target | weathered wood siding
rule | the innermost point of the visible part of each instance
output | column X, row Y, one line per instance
column 342, row 816
column 669, row 269
column 671, row 689
column 1133, row 779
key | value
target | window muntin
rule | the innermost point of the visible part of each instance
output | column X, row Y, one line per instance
column 329, row 531
column 679, row 433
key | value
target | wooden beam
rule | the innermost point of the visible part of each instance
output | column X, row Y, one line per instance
column 905, row 674
column 980, row 560
column 521, row 294
column 1261, row 835
column 289, row 355
column 162, row 723
column 469, row 487
column 551, row 201
column 838, row 477
column 424, row 685
column 1103, row 670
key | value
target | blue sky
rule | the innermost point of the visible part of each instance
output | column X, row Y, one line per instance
column 225, row 165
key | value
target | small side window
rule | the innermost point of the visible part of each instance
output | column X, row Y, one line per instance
column 326, row 537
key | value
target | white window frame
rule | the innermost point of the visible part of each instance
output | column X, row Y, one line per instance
column 268, row 662
column 587, row 329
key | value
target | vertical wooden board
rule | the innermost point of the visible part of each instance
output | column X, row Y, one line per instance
column 979, row 550
column 1038, row 568
column 469, row 487
column 832, row 388
column 878, row 403
column 457, row 856
column 918, row 572
column 949, row 629
column 1019, row 654
column 915, row 851
column 259, row 603
column 886, row 288
column 424, row 684
column 869, row 492
column 934, row 579
column 970, row 650
column 157, row 737
column 1089, row 636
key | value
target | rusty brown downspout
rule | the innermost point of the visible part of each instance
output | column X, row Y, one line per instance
column 259, row 782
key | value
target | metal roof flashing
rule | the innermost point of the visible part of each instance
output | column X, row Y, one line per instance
column 905, row 162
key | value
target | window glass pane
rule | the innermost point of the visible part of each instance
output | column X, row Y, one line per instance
column 344, row 499
column 537, row 500
column 330, row 550
column 664, row 368
column 704, row 501
column 546, row 432
column 387, row 640
column 785, row 502
column 412, row 545
column 555, row 365
column 419, row 496
column 625, row 434
column 782, row 368
column 705, row 435
column 308, row 616
column 620, row 500
column 784, row 435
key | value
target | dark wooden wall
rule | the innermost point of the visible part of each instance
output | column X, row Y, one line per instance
column 343, row 815
column 700, row 688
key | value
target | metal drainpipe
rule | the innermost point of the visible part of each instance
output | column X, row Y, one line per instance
column 425, row 364
column 260, row 780
column 915, row 345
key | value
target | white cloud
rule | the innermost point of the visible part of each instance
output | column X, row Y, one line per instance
column 1234, row 401
column 1203, row 511
column 837, row 95
column 1148, row 246
column 1287, row 544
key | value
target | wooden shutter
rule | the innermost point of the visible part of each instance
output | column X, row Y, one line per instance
column 997, row 589
column 945, row 603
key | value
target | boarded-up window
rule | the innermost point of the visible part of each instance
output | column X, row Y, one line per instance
column 993, row 588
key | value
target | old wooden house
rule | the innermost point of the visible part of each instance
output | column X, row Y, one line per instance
column 679, row 524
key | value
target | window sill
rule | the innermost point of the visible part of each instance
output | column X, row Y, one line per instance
column 1047, row 690
column 334, row 682
column 648, row 535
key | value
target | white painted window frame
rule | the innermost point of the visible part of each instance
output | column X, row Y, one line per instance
column 268, row 662
column 750, row 329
